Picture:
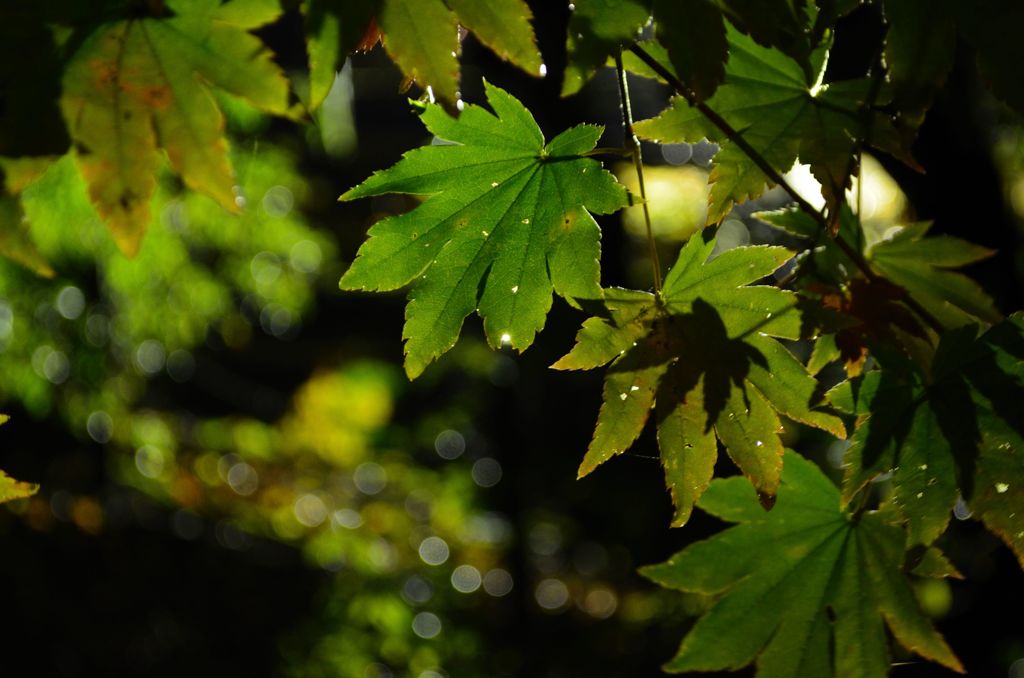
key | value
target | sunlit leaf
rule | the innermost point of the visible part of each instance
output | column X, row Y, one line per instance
column 138, row 85
column 703, row 358
column 15, row 240
column 504, row 26
column 505, row 225
column 957, row 432
column 805, row 590
column 422, row 37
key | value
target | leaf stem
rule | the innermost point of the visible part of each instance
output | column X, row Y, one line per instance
column 638, row 162
column 774, row 175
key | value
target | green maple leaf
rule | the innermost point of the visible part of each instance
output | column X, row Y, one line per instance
column 422, row 37
column 16, row 242
column 703, row 358
column 959, row 430
column 139, row 85
column 506, row 224
column 767, row 98
column 11, row 489
column 805, row 590
column 920, row 265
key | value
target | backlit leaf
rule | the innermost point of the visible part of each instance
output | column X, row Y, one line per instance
column 422, row 37
column 766, row 97
column 504, row 26
column 703, row 358
column 506, row 224
column 805, row 590
column 139, row 85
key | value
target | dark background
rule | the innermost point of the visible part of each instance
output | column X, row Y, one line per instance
column 136, row 600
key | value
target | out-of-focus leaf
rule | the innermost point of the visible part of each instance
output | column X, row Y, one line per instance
column 766, row 98
column 597, row 29
column 138, row 85
column 15, row 240
column 958, row 432
column 506, row 224
column 919, row 265
column 334, row 28
column 703, row 358
column 11, row 489
column 805, row 590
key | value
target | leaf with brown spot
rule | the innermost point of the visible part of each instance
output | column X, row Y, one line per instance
column 140, row 85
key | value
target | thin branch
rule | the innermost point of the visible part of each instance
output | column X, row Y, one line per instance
column 734, row 136
column 638, row 163
column 775, row 176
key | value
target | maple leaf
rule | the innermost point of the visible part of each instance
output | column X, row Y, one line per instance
column 920, row 266
column 422, row 37
column 16, row 242
column 139, row 85
column 805, row 590
column 703, row 358
column 597, row 29
column 766, row 97
column 506, row 224
column 958, row 430
column 11, row 489
column 693, row 33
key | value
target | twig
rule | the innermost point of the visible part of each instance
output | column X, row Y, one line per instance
column 735, row 137
column 638, row 163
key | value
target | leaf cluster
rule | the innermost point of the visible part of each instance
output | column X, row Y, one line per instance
column 932, row 374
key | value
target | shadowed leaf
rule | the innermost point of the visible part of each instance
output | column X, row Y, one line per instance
column 805, row 590
column 704, row 360
column 958, row 432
